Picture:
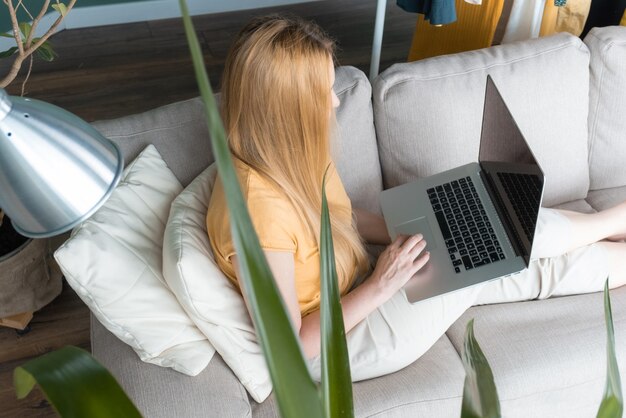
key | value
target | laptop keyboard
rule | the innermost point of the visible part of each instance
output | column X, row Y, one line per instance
column 466, row 229
column 524, row 191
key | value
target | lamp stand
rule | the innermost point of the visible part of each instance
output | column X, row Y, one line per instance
column 377, row 43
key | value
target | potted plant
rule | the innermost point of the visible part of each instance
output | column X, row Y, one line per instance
column 18, row 299
column 297, row 395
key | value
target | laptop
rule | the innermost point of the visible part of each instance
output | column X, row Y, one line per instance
column 478, row 219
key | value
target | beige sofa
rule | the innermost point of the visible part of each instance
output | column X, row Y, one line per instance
column 548, row 356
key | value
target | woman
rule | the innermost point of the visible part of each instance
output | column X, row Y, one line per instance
column 278, row 106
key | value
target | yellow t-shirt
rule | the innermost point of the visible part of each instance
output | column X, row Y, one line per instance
column 278, row 227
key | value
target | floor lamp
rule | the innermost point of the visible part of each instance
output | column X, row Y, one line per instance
column 379, row 26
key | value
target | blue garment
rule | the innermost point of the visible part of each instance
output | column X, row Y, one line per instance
column 437, row 12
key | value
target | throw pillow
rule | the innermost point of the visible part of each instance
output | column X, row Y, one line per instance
column 113, row 262
column 210, row 299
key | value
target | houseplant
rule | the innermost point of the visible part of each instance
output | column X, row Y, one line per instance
column 262, row 290
column 18, row 253
column 26, row 43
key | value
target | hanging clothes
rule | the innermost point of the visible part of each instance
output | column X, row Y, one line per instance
column 570, row 17
column 437, row 12
column 524, row 21
column 549, row 18
column 502, row 22
column 573, row 16
column 604, row 13
column 474, row 29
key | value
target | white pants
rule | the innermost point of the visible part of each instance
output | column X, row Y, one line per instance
column 398, row 332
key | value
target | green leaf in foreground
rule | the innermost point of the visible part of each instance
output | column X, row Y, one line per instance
column 295, row 391
column 480, row 397
column 61, row 8
column 9, row 52
column 45, row 51
column 612, row 405
column 25, row 28
column 336, row 380
column 75, row 384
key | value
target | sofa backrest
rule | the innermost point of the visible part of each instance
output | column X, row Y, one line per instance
column 355, row 151
column 607, row 106
column 428, row 113
column 179, row 132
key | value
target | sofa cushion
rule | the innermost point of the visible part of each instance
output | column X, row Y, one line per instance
column 606, row 198
column 428, row 114
column 430, row 387
column 214, row 304
column 607, row 106
column 113, row 262
column 356, row 152
column 178, row 131
column 161, row 393
column 580, row 205
column 548, row 357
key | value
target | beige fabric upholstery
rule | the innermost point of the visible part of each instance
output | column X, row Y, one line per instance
column 548, row 357
column 607, row 106
column 428, row 113
column 430, row 387
column 355, row 151
column 177, row 130
column 580, row 205
column 606, row 198
column 163, row 393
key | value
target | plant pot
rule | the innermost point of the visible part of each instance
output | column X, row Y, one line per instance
column 28, row 279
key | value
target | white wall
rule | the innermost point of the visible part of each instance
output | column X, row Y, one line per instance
column 159, row 9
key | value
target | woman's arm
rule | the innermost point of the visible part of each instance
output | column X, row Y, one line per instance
column 395, row 266
column 371, row 227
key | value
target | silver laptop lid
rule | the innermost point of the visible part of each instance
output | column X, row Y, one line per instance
column 503, row 150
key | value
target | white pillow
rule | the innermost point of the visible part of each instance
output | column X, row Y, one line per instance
column 113, row 262
column 210, row 299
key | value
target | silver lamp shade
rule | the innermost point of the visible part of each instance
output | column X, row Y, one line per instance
column 55, row 169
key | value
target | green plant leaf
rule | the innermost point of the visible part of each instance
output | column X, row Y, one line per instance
column 6, row 35
column 612, row 405
column 295, row 391
column 480, row 397
column 9, row 52
column 336, row 379
column 25, row 28
column 46, row 52
column 75, row 384
column 61, row 8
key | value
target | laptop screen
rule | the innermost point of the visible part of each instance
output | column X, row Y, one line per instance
column 513, row 173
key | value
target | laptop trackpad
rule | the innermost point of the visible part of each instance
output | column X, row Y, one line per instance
column 418, row 225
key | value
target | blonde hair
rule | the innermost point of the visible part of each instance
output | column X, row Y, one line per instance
column 276, row 107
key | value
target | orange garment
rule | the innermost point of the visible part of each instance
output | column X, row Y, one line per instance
column 279, row 228
column 549, row 18
column 623, row 21
column 474, row 29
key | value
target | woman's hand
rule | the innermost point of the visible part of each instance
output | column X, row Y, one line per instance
column 395, row 266
column 399, row 262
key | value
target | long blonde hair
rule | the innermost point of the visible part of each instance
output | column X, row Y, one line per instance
column 276, row 107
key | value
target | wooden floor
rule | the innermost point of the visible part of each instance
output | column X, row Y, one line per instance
column 111, row 71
